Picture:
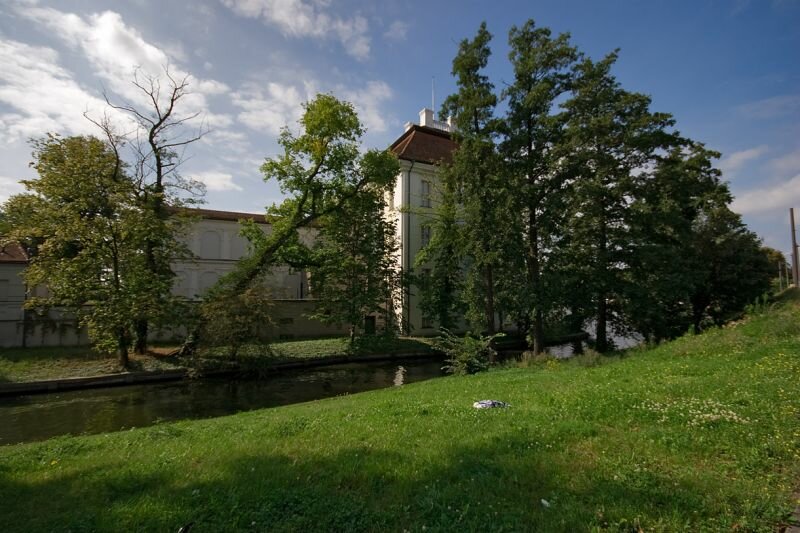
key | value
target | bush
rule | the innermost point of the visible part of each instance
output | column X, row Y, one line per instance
column 468, row 354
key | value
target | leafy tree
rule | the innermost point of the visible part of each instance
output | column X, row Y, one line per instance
column 476, row 173
column 666, row 268
column 321, row 171
column 774, row 256
column 85, row 231
column 734, row 268
column 613, row 139
column 353, row 271
column 533, row 131
column 442, row 289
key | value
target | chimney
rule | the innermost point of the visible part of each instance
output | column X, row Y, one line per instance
column 426, row 118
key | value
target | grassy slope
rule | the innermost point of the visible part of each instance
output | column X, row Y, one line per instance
column 31, row 364
column 699, row 434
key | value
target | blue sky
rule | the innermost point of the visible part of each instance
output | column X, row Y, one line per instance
column 728, row 70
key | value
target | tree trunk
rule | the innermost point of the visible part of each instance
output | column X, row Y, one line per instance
column 352, row 334
column 141, row 336
column 601, row 330
column 122, row 347
column 489, row 300
column 538, row 332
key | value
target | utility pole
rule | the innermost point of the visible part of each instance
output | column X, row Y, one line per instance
column 795, row 270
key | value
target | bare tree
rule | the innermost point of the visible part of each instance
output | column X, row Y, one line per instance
column 157, row 146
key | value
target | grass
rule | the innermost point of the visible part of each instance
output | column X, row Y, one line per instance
column 33, row 364
column 701, row 434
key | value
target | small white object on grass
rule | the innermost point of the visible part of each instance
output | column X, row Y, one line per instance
column 545, row 503
column 489, row 404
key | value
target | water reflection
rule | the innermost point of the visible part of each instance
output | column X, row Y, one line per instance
column 400, row 376
column 39, row 417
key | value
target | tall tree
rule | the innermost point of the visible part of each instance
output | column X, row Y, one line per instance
column 353, row 271
column 163, row 132
column 321, row 171
column 441, row 290
column 613, row 139
column 533, row 131
column 476, row 171
column 666, row 268
column 734, row 268
column 81, row 221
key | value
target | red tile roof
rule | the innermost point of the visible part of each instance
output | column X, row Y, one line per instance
column 231, row 216
column 13, row 253
column 425, row 145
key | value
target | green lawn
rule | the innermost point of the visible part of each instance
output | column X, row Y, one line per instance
column 702, row 434
column 33, row 364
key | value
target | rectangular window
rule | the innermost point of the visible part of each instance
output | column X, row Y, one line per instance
column 425, row 234
column 425, row 196
column 286, row 321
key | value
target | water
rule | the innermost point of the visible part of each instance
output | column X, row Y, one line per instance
column 42, row 416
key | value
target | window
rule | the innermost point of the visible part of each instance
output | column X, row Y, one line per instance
column 285, row 321
column 427, row 323
column 425, row 196
column 426, row 234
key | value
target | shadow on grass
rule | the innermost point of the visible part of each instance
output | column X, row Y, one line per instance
column 74, row 353
column 495, row 486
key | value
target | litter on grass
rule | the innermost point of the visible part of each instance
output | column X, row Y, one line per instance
column 489, row 404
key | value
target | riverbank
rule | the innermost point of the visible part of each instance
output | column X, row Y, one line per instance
column 702, row 433
column 80, row 364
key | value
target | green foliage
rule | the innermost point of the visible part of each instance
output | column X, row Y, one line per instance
column 85, row 231
column 612, row 139
column 323, row 174
column 532, row 145
column 239, row 319
column 473, row 183
column 353, row 268
column 468, row 354
column 442, row 289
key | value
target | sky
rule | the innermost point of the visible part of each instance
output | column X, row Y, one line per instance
column 727, row 70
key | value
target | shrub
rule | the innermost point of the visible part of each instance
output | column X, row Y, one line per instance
column 468, row 354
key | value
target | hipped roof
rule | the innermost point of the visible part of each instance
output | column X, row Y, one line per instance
column 424, row 145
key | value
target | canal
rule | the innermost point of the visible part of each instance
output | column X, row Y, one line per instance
column 42, row 416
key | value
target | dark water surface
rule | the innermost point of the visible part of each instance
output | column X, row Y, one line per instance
column 41, row 416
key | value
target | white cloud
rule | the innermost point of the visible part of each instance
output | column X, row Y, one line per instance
column 115, row 50
column 780, row 196
column 733, row 162
column 271, row 106
column 308, row 18
column 215, row 181
column 9, row 187
column 398, row 30
column 786, row 164
column 774, row 107
column 368, row 102
column 44, row 96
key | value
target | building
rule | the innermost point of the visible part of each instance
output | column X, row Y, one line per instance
column 215, row 246
column 420, row 150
